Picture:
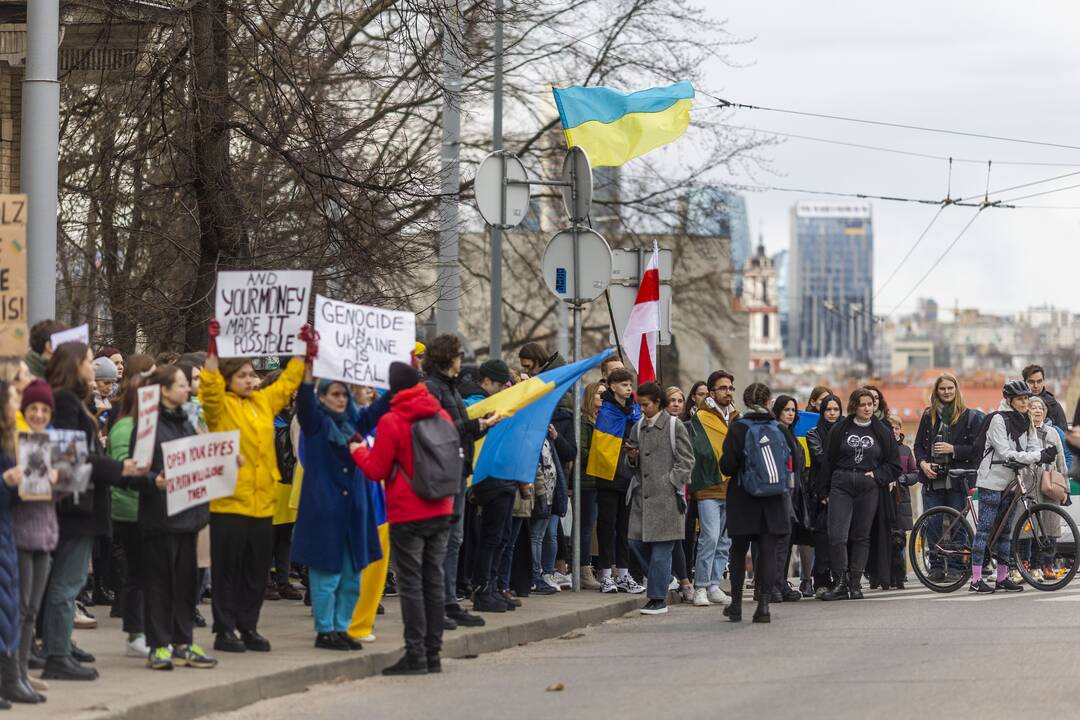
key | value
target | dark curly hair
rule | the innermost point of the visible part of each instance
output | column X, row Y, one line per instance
column 441, row 353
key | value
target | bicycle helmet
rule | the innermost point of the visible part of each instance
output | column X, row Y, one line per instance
column 1016, row 388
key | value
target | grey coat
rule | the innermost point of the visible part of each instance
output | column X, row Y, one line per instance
column 661, row 473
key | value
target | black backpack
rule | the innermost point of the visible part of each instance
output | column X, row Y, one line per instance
column 438, row 459
column 979, row 446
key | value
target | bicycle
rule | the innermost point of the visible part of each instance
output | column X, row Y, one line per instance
column 941, row 539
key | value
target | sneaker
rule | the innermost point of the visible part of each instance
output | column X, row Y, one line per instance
column 588, row 579
column 370, row 637
column 627, row 584
column 701, row 598
column 160, row 659
column 1015, row 576
column 391, row 589
column 806, row 588
column 565, row 582
column 200, row 621
column 193, row 656
column 607, row 585
column 719, row 597
column 980, row 587
column 541, row 587
column 687, row 593
column 1037, row 575
column 551, row 580
column 1008, row 585
column 673, row 585
column 137, row 647
column 83, row 619
column 654, row 607
column 330, row 641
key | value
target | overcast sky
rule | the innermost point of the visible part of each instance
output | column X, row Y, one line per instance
column 1010, row 69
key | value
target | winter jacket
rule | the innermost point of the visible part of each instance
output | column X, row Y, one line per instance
column 820, row 480
column 662, row 472
column 256, row 491
column 393, row 448
column 335, row 503
column 154, row 518
column 1054, row 411
column 706, row 481
column 35, row 524
column 90, row 516
column 1002, row 445
column 125, row 502
column 746, row 514
column 1048, row 437
column 445, row 390
column 9, row 568
column 588, row 482
column 962, row 436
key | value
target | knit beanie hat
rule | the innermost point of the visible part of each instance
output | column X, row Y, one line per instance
column 402, row 376
column 105, row 369
column 495, row 370
column 38, row 391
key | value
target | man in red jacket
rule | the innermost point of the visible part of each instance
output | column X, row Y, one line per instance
column 418, row 528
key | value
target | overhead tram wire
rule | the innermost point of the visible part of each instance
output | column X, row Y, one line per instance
column 910, row 251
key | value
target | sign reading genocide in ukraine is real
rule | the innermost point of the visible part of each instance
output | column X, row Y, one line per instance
column 357, row 343
column 200, row 468
column 261, row 312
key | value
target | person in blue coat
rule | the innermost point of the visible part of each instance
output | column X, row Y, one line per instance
column 336, row 534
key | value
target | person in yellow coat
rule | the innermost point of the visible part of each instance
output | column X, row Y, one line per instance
column 372, row 577
column 241, row 525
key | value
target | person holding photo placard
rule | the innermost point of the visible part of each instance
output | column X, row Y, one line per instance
column 83, row 517
column 241, row 525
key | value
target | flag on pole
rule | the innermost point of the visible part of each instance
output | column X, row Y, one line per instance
column 642, row 333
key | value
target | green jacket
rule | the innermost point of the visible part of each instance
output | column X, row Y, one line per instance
column 588, row 482
column 125, row 502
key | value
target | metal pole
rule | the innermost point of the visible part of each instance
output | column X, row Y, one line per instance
column 562, row 342
column 496, row 233
column 448, row 304
column 41, row 153
column 576, row 540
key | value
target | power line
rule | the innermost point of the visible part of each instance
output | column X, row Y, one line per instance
column 910, row 251
column 936, row 263
column 1045, row 192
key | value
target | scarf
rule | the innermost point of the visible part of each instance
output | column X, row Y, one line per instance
column 340, row 429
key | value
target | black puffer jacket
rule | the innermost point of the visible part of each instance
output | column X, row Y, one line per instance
column 445, row 390
column 962, row 436
column 153, row 505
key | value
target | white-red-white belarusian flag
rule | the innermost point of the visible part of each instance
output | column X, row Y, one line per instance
column 642, row 332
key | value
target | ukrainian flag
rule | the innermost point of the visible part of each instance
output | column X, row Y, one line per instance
column 614, row 127
column 803, row 424
column 607, row 439
column 511, row 449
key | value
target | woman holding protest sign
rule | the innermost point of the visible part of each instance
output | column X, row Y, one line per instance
column 336, row 534
column 83, row 516
column 241, row 525
column 170, row 571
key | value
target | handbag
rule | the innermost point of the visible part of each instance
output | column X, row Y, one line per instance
column 1053, row 486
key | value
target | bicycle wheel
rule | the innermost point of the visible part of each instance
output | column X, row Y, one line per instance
column 940, row 549
column 1051, row 564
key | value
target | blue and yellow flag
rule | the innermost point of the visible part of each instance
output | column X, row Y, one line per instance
column 803, row 424
column 607, row 439
column 511, row 449
column 614, row 127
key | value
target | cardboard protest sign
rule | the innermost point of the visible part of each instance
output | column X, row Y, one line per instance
column 35, row 461
column 14, row 334
column 75, row 334
column 69, row 456
column 200, row 468
column 357, row 343
column 146, row 427
column 261, row 312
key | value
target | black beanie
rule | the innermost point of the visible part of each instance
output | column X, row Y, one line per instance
column 402, row 376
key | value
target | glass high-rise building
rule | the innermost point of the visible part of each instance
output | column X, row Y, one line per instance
column 831, row 281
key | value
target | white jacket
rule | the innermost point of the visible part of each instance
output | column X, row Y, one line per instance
column 993, row 475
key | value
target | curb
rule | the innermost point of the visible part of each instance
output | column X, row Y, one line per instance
column 222, row 698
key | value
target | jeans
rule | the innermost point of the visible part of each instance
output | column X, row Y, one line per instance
column 586, row 524
column 991, row 504
column 550, row 549
column 656, row 558
column 506, row 562
column 853, row 502
column 538, row 530
column 453, row 549
column 71, row 561
column 334, row 595
column 495, row 527
column 419, row 552
column 953, row 498
column 33, row 575
column 712, row 544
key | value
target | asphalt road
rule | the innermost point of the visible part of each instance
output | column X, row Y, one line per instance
column 897, row 654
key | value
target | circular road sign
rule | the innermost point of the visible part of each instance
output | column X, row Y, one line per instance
column 500, row 204
column 577, row 199
column 593, row 269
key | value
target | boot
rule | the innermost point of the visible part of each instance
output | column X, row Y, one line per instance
column 855, row 586
column 484, row 600
column 733, row 612
column 761, row 615
column 12, row 686
column 839, row 591
column 588, row 578
column 408, row 665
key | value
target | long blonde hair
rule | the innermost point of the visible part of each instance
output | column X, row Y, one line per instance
column 588, row 406
column 935, row 403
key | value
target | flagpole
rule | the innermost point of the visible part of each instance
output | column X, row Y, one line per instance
column 659, row 313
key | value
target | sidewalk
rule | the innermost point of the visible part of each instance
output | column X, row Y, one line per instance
column 128, row 690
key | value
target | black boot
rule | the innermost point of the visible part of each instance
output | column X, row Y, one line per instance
column 839, row 591
column 65, row 667
column 408, row 665
column 12, row 686
column 733, row 612
column 761, row 615
column 855, row 586
column 484, row 600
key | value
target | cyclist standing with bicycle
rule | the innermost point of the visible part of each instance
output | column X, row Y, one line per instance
column 1010, row 440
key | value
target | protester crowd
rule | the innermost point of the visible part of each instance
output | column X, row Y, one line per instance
column 359, row 495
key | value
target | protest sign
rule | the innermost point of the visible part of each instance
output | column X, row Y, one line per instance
column 357, row 343
column 75, row 334
column 200, row 468
column 261, row 312
column 14, row 334
column 69, row 456
column 34, row 459
column 146, row 428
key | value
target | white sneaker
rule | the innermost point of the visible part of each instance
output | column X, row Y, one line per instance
column 673, row 585
column 551, row 580
column 367, row 638
column 563, row 580
column 628, row 584
column 700, row 598
column 138, row 647
column 719, row 597
column 83, row 621
column 607, row 585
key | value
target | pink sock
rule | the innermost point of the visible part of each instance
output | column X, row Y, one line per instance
column 1002, row 572
column 976, row 573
